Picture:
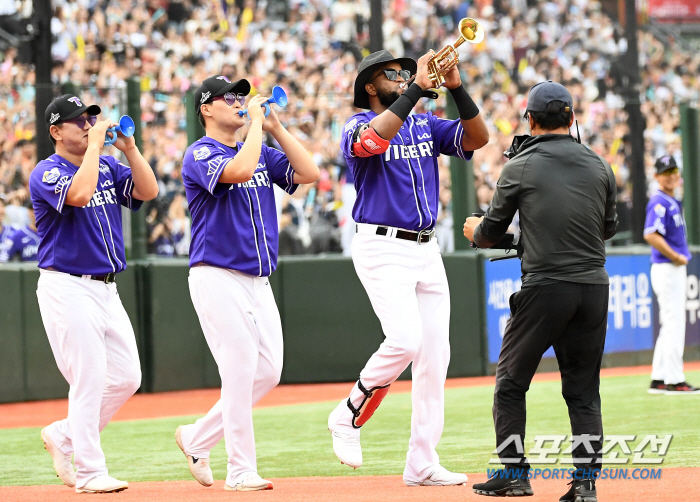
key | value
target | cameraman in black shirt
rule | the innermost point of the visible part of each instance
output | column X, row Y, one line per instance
column 566, row 197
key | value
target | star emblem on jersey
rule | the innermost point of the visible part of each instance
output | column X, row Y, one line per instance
column 76, row 101
column 54, row 118
column 51, row 177
column 205, row 96
column 202, row 153
column 421, row 122
column 104, row 168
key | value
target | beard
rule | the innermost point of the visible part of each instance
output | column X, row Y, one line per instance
column 388, row 98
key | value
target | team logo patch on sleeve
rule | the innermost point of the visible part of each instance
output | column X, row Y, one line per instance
column 202, row 153
column 350, row 125
column 660, row 210
column 51, row 177
column 104, row 168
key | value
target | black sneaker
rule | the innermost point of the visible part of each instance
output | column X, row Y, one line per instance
column 681, row 388
column 580, row 490
column 657, row 387
column 501, row 486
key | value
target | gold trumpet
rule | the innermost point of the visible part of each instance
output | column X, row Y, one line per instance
column 472, row 32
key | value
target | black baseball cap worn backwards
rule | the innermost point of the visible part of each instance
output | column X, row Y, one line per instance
column 665, row 163
column 544, row 93
column 67, row 107
column 218, row 85
column 369, row 66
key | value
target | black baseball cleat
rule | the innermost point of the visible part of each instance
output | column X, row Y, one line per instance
column 657, row 387
column 681, row 388
column 502, row 486
column 580, row 490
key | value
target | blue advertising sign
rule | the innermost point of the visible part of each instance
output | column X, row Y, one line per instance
column 629, row 307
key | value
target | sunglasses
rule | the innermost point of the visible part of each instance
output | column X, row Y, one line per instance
column 674, row 170
column 392, row 74
column 80, row 121
column 230, row 98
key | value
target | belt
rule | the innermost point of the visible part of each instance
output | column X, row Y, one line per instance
column 107, row 279
column 420, row 237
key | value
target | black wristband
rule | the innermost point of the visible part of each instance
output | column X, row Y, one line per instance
column 402, row 107
column 465, row 104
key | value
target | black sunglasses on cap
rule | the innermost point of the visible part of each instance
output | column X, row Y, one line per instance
column 392, row 74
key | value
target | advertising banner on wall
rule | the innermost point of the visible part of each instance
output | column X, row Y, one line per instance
column 632, row 310
column 674, row 11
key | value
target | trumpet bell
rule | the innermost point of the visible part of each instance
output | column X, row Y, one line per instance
column 471, row 30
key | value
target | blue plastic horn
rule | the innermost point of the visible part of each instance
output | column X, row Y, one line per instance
column 278, row 96
column 126, row 127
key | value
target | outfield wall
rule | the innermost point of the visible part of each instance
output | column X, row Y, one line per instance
column 329, row 327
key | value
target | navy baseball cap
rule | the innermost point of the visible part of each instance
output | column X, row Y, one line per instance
column 67, row 107
column 544, row 93
column 218, row 85
column 665, row 163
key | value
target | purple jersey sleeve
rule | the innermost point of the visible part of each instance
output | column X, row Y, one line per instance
column 50, row 182
column 205, row 164
column 447, row 135
column 280, row 169
column 657, row 214
column 8, row 247
column 124, row 184
column 348, row 132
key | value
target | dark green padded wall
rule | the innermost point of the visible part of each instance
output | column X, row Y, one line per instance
column 11, row 338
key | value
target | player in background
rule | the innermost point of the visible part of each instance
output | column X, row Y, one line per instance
column 393, row 157
column 232, row 252
column 77, row 195
column 5, row 230
column 22, row 242
column 664, row 230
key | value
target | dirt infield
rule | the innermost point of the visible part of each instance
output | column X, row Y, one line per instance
column 198, row 402
column 675, row 485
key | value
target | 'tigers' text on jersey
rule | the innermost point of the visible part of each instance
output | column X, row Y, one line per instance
column 423, row 149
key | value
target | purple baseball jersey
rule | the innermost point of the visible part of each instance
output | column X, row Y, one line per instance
column 234, row 226
column 81, row 240
column 665, row 216
column 23, row 242
column 400, row 187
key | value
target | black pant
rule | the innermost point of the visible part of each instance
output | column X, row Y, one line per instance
column 572, row 317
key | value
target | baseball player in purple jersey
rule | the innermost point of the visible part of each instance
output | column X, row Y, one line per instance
column 77, row 195
column 5, row 230
column 229, row 188
column 664, row 230
column 393, row 157
column 21, row 242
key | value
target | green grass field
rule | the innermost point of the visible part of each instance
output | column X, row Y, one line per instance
column 293, row 441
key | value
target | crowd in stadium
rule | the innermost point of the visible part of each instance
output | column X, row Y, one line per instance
column 312, row 48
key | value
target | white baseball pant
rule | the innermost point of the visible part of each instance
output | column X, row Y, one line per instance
column 669, row 284
column 95, row 349
column 407, row 286
column 242, row 326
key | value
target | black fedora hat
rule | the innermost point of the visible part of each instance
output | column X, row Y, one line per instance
column 368, row 67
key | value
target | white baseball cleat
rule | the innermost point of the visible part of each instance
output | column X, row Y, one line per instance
column 199, row 467
column 103, row 484
column 250, row 483
column 61, row 462
column 440, row 477
column 346, row 447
